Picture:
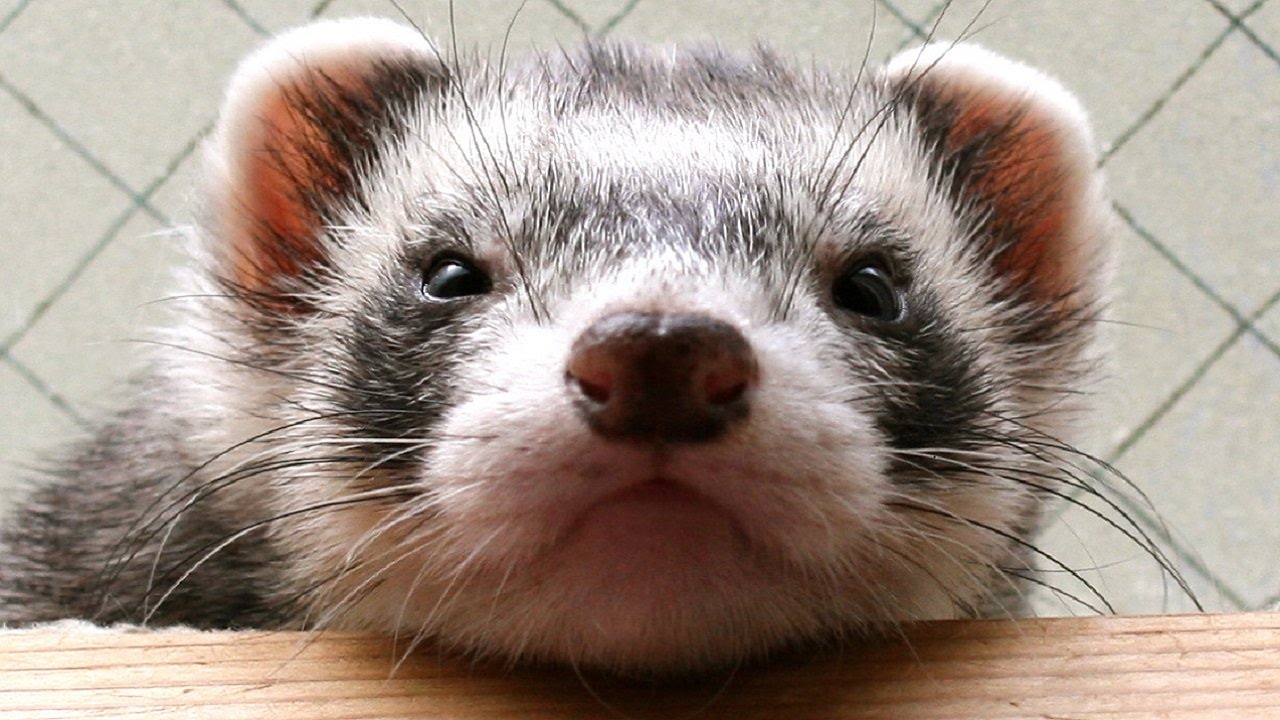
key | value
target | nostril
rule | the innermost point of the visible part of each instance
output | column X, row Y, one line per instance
column 595, row 391
column 592, row 374
column 725, row 389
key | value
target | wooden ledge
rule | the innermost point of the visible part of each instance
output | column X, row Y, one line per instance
column 1188, row 666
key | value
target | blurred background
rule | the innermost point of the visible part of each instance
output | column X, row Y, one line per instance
column 103, row 107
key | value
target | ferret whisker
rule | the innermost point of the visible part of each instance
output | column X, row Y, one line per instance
column 502, row 79
column 1132, row 531
column 450, row 593
column 157, row 513
column 899, row 95
column 162, row 519
column 850, row 98
column 917, row 531
column 493, row 167
column 288, row 375
column 880, row 118
column 914, row 506
column 192, row 562
column 1043, row 442
column 1034, row 578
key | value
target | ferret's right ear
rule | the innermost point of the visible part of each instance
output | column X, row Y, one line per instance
column 304, row 117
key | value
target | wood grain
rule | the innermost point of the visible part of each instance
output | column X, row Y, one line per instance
column 1193, row 666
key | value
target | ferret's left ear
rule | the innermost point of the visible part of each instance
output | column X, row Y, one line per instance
column 1013, row 150
column 306, row 118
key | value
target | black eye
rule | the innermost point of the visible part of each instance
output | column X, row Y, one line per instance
column 453, row 277
column 869, row 290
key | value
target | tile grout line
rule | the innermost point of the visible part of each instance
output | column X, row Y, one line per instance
column 605, row 28
column 140, row 202
column 14, row 12
column 1238, row 22
column 1139, row 517
column 571, row 16
column 929, row 27
column 79, row 149
column 106, row 239
column 1201, row 284
column 1124, row 137
column 42, row 307
column 320, row 7
column 42, row 388
column 618, row 17
column 248, row 19
column 916, row 28
column 1243, row 326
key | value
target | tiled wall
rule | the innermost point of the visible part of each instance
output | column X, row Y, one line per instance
column 102, row 107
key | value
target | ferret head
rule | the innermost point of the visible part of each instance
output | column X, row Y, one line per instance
column 647, row 360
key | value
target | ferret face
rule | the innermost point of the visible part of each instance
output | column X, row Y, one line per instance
column 643, row 360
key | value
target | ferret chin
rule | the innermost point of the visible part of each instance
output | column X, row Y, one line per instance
column 647, row 360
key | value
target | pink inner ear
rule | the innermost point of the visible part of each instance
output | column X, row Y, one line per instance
column 279, row 230
column 1029, row 188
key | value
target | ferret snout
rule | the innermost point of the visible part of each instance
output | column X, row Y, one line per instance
column 661, row 377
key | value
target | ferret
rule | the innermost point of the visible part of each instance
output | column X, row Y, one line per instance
column 641, row 359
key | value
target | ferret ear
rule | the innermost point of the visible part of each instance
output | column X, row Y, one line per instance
column 1013, row 150
column 304, row 118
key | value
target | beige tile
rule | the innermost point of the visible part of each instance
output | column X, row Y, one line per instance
column 31, row 429
column 478, row 24
column 1269, row 323
column 8, row 8
column 1266, row 23
column 1211, row 468
column 836, row 33
column 54, row 209
column 176, row 196
column 1119, row 57
column 1160, row 329
column 275, row 16
column 89, row 340
column 131, row 81
column 1205, row 174
column 1239, row 6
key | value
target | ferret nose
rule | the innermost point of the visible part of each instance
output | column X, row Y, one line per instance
column 658, row 377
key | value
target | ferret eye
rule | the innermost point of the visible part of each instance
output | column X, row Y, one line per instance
column 868, row 290
column 452, row 277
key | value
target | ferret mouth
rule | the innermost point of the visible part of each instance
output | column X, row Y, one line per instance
column 659, row 511
column 659, row 493
column 657, row 490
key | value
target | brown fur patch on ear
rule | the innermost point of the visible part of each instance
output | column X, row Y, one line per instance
column 277, row 196
column 304, row 118
column 1012, row 149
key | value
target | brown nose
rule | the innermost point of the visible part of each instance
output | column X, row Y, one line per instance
column 649, row 376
